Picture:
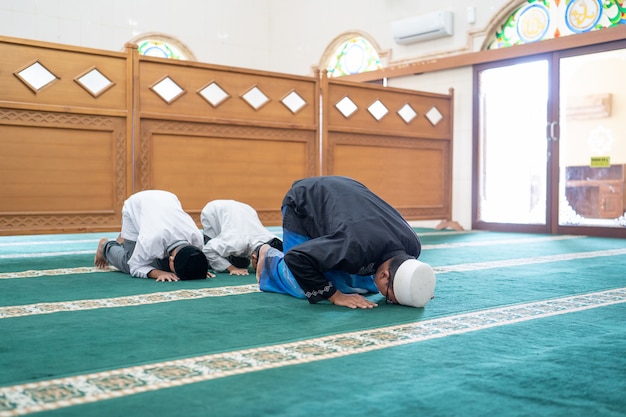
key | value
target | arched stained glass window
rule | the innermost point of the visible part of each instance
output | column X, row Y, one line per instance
column 151, row 47
column 353, row 56
column 538, row 20
column 162, row 46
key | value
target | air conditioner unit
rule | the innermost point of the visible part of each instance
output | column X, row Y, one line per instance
column 420, row 28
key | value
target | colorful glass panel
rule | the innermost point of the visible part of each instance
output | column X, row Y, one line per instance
column 160, row 49
column 354, row 56
column 538, row 20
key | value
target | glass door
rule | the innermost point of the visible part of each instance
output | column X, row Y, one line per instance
column 511, row 146
column 550, row 143
column 592, row 143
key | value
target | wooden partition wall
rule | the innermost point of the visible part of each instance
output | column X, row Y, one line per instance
column 64, row 154
column 208, row 132
column 82, row 129
column 397, row 142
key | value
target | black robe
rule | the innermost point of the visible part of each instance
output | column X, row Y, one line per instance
column 351, row 230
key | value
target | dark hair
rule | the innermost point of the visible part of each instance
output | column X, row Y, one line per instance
column 190, row 263
column 395, row 263
column 276, row 243
column 240, row 262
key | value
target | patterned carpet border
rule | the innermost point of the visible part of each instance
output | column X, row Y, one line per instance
column 127, row 301
column 168, row 296
column 424, row 247
column 65, row 392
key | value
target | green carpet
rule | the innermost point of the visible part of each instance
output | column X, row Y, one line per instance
column 521, row 325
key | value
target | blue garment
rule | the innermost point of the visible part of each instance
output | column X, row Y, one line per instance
column 276, row 276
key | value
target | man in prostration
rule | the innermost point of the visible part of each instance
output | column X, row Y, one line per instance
column 158, row 240
column 341, row 242
column 232, row 233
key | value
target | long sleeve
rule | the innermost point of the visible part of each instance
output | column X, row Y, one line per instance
column 158, row 220
column 233, row 229
column 140, row 264
column 226, row 244
column 309, row 260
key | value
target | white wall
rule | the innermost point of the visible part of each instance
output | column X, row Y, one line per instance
column 287, row 36
column 300, row 43
column 275, row 35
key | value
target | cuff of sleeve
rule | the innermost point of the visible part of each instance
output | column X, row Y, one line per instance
column 321, row 294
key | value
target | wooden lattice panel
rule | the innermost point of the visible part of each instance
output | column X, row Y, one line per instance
column 397, row 142
column 72, row 71
column 404, row 112
column 198, row 82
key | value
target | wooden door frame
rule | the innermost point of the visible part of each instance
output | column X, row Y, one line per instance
column 552, row 180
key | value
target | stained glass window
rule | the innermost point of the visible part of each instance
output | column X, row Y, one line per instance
column 537, row 20
column 354, row 56
column 157, row 48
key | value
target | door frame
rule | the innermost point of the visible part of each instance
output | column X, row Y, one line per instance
column 478, row 224
column 554, row 197
column 552, row 175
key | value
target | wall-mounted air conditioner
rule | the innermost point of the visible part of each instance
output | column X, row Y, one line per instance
column 420, row 28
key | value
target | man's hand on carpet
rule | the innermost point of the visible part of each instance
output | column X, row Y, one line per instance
column 351, row 300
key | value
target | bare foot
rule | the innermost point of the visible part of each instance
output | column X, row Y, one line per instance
column 253, row 259
column 99, row 260
column 260, row 261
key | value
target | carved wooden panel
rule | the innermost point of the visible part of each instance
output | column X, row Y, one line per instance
column 412, row 174
column 61, row 76
column 61, row 173
column 213, row 132
column 170, row 89
column 395, row 141
column 202, row 162
column 82, row 129
column 388, row 111
column 63, row 135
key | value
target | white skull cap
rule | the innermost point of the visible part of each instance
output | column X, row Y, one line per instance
column 414, row 283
